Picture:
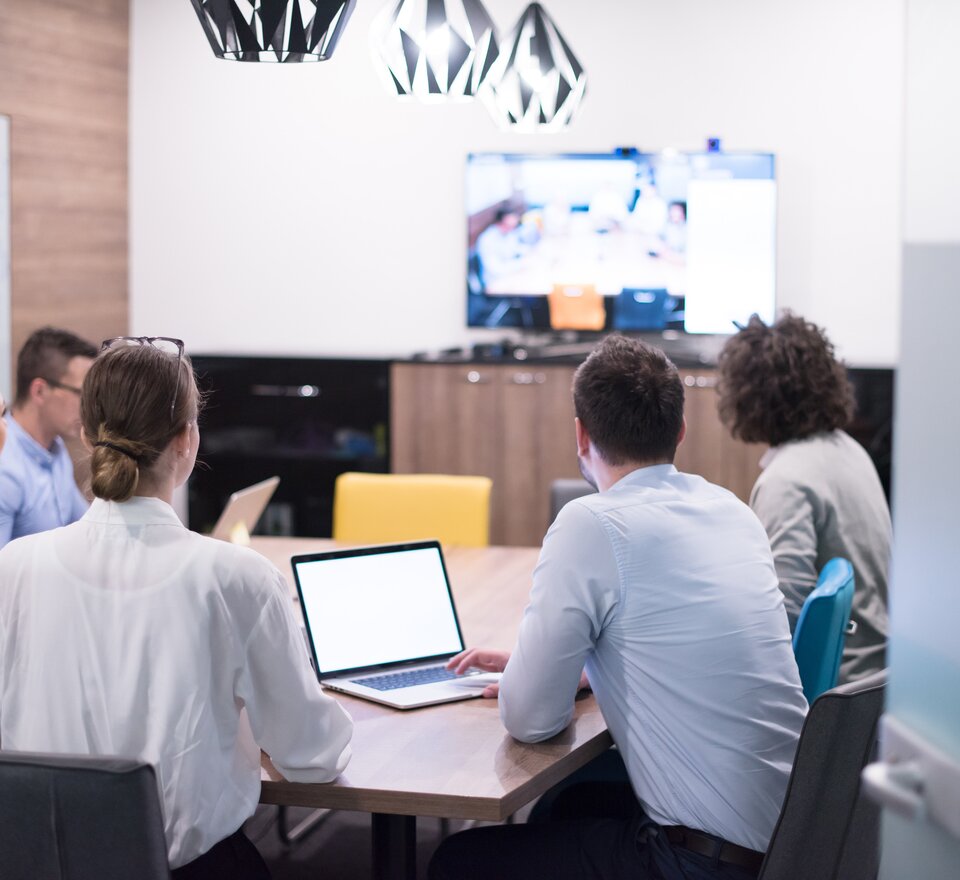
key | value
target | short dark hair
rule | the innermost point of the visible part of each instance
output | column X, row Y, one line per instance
column 629, row 398
column 46, row 355
column 782, row 382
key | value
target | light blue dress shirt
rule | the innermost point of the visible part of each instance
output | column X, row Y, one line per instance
column 663, row 588
column 37, row 487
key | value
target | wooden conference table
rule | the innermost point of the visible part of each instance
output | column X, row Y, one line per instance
column 451, row 761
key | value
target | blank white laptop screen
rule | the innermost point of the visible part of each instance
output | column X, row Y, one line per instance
column 376, row 608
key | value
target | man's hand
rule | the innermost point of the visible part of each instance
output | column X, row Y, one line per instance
column 480, row 658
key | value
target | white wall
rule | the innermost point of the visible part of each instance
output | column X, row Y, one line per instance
column 303, row 209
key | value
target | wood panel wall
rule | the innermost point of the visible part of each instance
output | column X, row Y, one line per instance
column 63, row 83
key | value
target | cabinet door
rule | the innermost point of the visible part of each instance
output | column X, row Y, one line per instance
column 444, row 419
column 538, row 446
column 708, row 448
column 510, row 423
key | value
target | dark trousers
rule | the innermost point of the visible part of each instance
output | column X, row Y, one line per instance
column 234, row 858
column 594, row 831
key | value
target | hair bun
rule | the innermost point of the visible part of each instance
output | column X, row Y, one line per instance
column 115, row 467
column 116, row 447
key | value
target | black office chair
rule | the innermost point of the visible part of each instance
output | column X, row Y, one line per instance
column 79, row 817
column 562, row 491
column 827, row 829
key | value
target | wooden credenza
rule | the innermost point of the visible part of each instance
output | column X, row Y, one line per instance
column 514, row 424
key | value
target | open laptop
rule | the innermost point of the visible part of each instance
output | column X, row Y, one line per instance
column 381, row 623
column 242, row 511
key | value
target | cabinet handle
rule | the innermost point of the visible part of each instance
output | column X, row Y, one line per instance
column 529, row 378
column 306, row 390
column 700, row 381
column 475, row 377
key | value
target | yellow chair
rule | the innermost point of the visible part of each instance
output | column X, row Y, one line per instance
column 576, row 307
column 375, row 508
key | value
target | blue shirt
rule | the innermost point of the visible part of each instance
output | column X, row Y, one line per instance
column 663, row 588
column 37, row 487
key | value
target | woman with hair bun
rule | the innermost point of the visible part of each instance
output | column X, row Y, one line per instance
column 126, row 634
column 819, row 495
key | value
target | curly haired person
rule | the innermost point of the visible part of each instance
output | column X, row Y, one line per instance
column 819, row 494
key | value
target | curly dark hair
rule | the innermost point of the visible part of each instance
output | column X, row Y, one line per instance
column 629, row 397
column 782, row 382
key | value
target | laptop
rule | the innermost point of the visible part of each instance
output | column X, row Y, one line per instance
column 243, row 510
column 381, row 623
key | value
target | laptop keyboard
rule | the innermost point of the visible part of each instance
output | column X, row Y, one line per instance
column 393, row 680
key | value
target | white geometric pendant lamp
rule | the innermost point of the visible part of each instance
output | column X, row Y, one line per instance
column 536, row 83
column 436, row 49
column 273, row 30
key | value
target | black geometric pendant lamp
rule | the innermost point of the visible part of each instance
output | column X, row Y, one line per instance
column 273, row 30
column 536, row 83
column 435, row 49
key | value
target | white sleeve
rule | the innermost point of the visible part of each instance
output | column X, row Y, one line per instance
column 788, row 515
column 305, row 732
column 576, row 590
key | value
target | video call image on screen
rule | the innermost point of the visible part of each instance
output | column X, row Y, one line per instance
column 622, row 241
column 378, row 608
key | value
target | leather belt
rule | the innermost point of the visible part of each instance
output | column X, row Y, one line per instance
column 713, row 847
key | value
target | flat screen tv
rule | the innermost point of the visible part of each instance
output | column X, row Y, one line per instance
column 620, row 241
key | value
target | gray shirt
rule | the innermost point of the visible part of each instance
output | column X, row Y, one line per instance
column 663, row 588
column 818, row 498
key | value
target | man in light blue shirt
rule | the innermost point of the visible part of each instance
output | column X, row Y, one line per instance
column 37, row 487
column 662, row 589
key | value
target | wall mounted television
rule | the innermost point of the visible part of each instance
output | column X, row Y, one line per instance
column 624, row 241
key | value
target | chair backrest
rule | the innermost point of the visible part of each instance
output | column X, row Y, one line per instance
column 371, row 508
column 576, row 307
column 79, row 817
column 820, row 633
column 638, row 308
column 562, row 491
column 826, row 830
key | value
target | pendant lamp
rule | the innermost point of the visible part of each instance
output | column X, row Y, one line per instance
column 536, row 83
column 436, row 49
column 273, row 30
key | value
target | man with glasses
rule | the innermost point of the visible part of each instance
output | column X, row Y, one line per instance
column 37, row 486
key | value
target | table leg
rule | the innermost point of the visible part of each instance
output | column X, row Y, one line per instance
column 394, row 847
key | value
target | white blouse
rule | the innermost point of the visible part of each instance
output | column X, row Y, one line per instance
column 127, row 634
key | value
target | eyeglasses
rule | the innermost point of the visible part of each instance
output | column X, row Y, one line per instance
column 164, row 343
column 53, row 383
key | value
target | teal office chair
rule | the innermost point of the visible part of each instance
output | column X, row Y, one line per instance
column 822, row 628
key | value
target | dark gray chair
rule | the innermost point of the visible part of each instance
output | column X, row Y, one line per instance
column 79, row 817
column 562, row 491
column 826, row 828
